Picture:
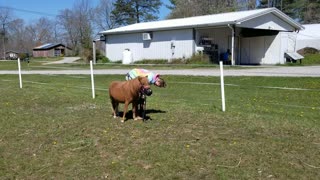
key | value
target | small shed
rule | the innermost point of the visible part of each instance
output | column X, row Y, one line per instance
column 12, row 55
column 50, row 50
column 252, row 37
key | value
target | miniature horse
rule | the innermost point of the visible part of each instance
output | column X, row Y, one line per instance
column 127, row 92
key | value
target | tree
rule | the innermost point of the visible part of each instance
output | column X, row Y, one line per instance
column 181, row 8
column 311, row 14
column 5, row 19
column 20, row 40
column 247, row 4
column 42, row 31
column 304, row 11
column 102, row 15
column 76, row 26
column 271, row 3
column 135, row 11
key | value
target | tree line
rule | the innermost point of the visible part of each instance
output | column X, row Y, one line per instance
column 78, row 26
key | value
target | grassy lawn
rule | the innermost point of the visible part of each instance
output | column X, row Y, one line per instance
column 308, row 60
column 39, row 65
column 53, row 129
column 311, row 59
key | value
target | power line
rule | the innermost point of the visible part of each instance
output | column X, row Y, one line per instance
column 28, row 11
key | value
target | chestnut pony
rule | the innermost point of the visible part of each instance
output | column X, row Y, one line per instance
column 127, row 92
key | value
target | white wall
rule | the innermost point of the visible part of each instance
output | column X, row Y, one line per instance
column 268, row 21
column 309, row 37
column 157, row 48
column 264, row 49
column 116, row 44
column 252, row 50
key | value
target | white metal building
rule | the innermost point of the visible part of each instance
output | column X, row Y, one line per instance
column 253, row 37
column 309, row 37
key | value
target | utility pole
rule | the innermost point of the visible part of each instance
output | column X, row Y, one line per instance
column 4, row 42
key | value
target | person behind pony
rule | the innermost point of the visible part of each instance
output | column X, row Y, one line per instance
column 153, row 79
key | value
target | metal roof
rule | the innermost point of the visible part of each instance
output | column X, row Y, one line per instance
column 294, row 55
column 48, row 46
column 203, row 21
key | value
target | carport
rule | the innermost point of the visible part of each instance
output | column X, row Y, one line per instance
column 253, row 39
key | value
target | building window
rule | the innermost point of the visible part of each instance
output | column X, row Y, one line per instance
column 57, row 52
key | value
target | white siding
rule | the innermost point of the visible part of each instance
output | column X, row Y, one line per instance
column 268, row 21
column 116, row 44
column 263, row 49
column 252, row 50
column 309, row 37
column 157, row 48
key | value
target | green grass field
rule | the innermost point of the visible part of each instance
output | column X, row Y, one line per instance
column 53, row 129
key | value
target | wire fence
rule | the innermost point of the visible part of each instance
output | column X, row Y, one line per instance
column 84, row 69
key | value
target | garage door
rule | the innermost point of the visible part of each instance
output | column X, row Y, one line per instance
column 252, row 50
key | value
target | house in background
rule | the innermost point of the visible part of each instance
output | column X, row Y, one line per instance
column 253, row 37
column 51, row 50
column 12, row 55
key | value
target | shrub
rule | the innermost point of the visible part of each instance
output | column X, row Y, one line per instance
column 198, row 59
column 23, row 56
column 151, row 61
column 101, row 58
column 308, row 50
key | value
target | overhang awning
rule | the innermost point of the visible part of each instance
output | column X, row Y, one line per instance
column 294, row 55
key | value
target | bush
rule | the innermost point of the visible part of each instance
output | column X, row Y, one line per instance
column 308, row 50
column 101, row 58
column 23, row 56
column 198, row 59
column 153, row 61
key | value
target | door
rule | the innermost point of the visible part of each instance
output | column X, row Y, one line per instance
column 252, row 50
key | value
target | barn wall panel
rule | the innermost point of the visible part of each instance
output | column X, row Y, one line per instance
column 163, row 45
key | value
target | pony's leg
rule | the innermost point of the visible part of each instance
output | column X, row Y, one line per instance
column 125, row 109
column 114, row 108
column 135, row 111
column 144, row 107
column 117, row 109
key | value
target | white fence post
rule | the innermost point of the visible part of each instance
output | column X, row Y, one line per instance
column 94, row 52
column 92, row 80
column 222, row 87
column 19, row 70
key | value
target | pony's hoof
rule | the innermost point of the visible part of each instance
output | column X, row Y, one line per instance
column 114, row 116
column 122, row 121
column 138, row 118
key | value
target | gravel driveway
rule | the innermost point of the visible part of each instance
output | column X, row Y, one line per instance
column 65, row 60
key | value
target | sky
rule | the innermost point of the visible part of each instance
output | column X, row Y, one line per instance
column 26, row 9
